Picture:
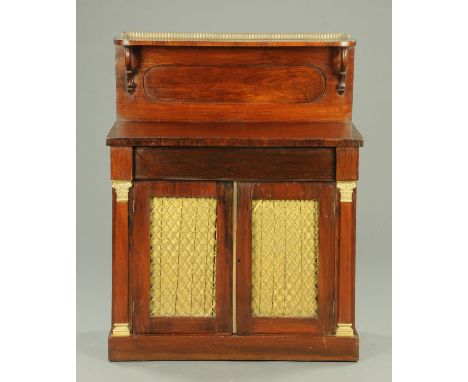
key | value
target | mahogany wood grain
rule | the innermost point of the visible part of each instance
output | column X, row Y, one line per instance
column 140, row 257
column 120, row 262
column 347, row 163
column 121, row 163
column 330, row 107
column 243, row 84
column 346, row 277
column 222, row 322
column 234, row 163
column 353, row 261
column 244, row 263
column 284, row 325
column 325, row 194
column 234, row 134
column 222, row 347
column 224, row 256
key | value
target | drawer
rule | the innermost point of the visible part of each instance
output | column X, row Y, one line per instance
column 235, row 163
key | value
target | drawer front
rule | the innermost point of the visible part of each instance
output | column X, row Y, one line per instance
column 235, row 163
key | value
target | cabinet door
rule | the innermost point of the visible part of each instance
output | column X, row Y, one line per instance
column 285, row 257
column 182, row 257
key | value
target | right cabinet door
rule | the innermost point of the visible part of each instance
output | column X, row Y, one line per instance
column 285, row 257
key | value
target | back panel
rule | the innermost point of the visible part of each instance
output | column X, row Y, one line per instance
column 233, row 83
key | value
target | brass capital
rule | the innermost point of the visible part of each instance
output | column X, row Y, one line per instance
column 346, row 190
column 121, row 188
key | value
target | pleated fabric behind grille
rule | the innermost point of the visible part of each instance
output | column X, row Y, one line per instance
column 284, row 258
column 183, row 257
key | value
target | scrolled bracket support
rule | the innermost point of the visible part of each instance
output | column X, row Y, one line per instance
column 129, row 78
column 340, row 88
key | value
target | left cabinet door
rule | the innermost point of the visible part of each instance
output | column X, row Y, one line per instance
column 181, row 257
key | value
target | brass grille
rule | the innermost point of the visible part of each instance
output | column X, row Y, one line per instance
column 183, row 257
column 284, row 258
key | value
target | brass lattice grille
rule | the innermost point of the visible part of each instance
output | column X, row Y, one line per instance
column 183, row 257
column 284, row 258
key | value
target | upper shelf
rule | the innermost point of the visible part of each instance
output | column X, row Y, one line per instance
column 234, row 39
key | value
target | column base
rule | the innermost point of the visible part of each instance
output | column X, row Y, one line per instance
column 344, row 330
column 121, row 330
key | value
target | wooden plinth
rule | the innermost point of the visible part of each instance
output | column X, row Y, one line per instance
column 234, row 347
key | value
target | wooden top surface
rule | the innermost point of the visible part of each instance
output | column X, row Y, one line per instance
column 233, row 39
column 235, row 134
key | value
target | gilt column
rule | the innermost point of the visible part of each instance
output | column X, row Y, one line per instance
column 346, row 182
column 121, row 174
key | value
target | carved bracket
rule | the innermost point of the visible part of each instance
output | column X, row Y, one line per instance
column 343, row 67
column 129, row 78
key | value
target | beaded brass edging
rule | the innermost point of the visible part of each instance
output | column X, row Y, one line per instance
column 206, row 36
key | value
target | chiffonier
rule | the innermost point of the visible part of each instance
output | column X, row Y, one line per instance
column 234, row 164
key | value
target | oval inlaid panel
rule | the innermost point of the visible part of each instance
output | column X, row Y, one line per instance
column 234, row 84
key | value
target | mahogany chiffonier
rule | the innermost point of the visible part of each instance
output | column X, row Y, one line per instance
column 234, row 165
